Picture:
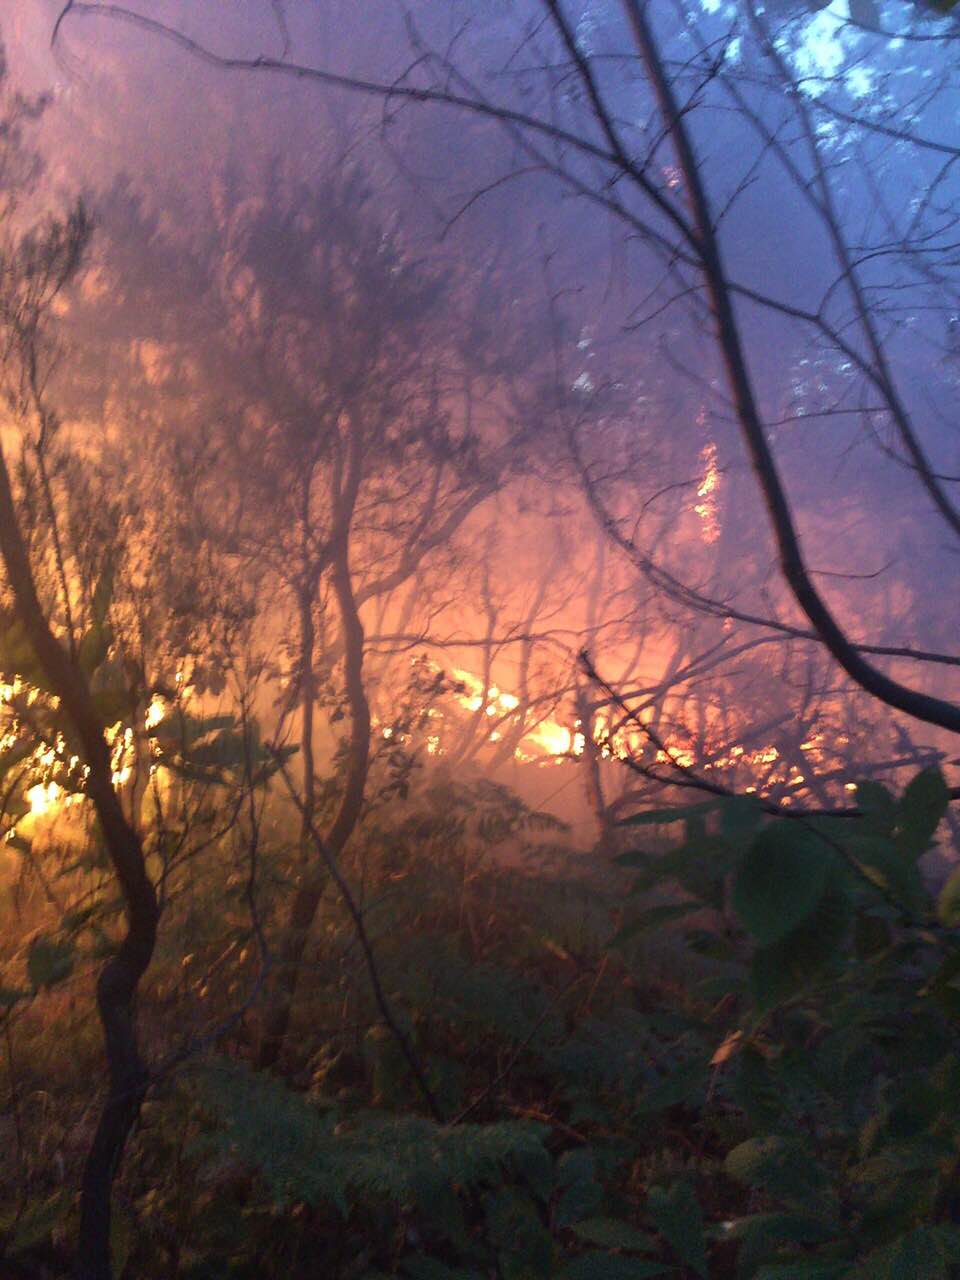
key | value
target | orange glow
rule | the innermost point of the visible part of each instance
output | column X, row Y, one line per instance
column 43, row 798
column 708, row 508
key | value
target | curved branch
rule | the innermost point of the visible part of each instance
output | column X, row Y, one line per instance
column 915, row 703
column 120, row 976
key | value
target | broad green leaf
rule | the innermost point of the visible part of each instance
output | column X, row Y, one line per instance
column 791, row 964
column 653, row 919
column 514, row 1226
column 442, row 1212
column 779, row 1165
column 740, row 817
column 660, row 817
column 812, row 1270
column 780, row 880
column 779, row 1228
column 879, row 807
column 685, row 1084
column 927, row 1252
column 635, row 858
column 606, row 1266
column 49, row 962
column 677, row 1215
column 882, row 862
column 947, row 998
column 699, row 866
column 871, row 934
column 611, row 1233
column 756, row 1089
column 948, row 903
column 535, row 1166
column 580, row 1193
column 948, row 971
column 921, row 808
column 422, row 1267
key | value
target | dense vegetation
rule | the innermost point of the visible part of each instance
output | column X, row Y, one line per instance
column 438, row 837
column 734, row 1054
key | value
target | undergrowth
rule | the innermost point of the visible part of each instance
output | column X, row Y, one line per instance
column 732, row 1053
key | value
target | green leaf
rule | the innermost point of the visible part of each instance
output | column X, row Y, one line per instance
column 422, row 1267
column 756, row 1089
column 788, row 966
column 534, row 1165
column 812, row 1270
column 611, row 1233
column 699, row 866
column 948, row 971
column 684, row 1084
column 926, row 1251
column 442, row 1212
column 780, row 881
column 653, row 919
column 778, row 1165
column 303, row 1156
column 882, row 862
column 740, row 817
column 948, row 903
column 879, row 807
column 635, row 858
column 49, row 962
column 779, row 1229
column 524, row 1245
column 660, row 817
column 871, row 934
column 679, row 1220
column 921, row 808
column 580, row 1193
column 9, row 996
column 606, row 1266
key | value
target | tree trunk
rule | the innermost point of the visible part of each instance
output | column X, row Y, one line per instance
column 120, row 977
column 309, row 893
column 308, row 701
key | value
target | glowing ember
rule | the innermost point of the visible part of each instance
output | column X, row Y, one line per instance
column 44, row 797
column 708, row 506
column 155, row 712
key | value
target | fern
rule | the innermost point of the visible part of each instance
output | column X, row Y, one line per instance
column 305, row 1155
column 474, row 997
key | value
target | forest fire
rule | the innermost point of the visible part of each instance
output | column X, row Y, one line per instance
column 478, row 673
